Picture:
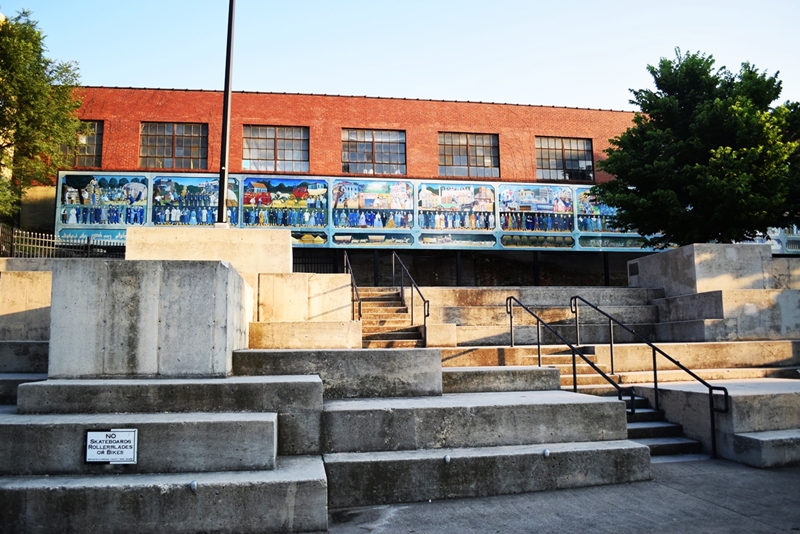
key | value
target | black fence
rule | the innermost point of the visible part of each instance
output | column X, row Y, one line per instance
column 16, row 243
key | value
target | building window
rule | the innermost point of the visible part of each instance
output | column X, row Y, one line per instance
column 373, row 151
column 560, row 158
column 90, row 146
column 469, row 155
column 275, row 148
column 173, row 146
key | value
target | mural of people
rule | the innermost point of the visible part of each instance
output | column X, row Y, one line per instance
column 270, row 201
column 536, row 208
column 103, row 200
column 365, row 204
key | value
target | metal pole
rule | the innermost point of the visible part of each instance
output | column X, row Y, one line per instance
column 655, row 378
column 222, row 208
column 611, row 337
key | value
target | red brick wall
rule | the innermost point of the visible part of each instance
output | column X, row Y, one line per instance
column 325, row 116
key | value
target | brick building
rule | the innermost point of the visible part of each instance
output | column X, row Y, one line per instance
column 468, row 192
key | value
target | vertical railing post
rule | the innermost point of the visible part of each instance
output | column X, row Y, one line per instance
column 713, row 425
column 510, row 310
column 655, row 378
column 611, row 338
column 577, row 325
column 574, row 372
column 539, row 340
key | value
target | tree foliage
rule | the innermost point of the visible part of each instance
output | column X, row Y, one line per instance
column 38, row 105
column 707, row 159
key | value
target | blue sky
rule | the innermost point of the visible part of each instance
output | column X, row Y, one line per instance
column 578, row 53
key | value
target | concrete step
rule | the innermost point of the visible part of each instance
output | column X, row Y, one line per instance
column 469, row 420
column 644, row 415
column 384, row 312
column 390, row 322
column 554, row 315
column 670, row 445
column 593, row 379
column 774, row 448
column 379, row 291
column 486, row 379
column 540, row 296
column 349, row 373
column 380, row 305
column 9, row 382
column 167, row 443
column 527, row 335
column 666, row 375
column 406, row 334
column 370, row 478
column 392, row 344
column 291, row 498
column 653, row 429
column 388, row 329
column 296, row 399
column 29, row 357
column 505, row 355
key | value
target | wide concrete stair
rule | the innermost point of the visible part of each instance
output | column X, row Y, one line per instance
column 386, row 320
column 208, row 450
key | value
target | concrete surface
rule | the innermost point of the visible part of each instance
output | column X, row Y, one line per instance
column 516, row 378
column 470, row 420
column 347, row 373
column 167, row 443
column 24, row 356
column 10, row 382
column 25, row 305
column 146, row 318
column 358, row 479
column 305, row 335
column 291, row 498
column 708, row 496
column 299, row 297
column 296, row 399
column 26, row 264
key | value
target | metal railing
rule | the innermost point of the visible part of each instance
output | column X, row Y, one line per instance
column 349, row 269
column 575, row 350
column 6, row 241
column 426, row 304
column 573, row 304
column 23, row 244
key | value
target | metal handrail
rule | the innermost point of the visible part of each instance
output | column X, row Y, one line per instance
column 349, row 269
column 575, row 350
column 573, row 305
column 426, row 304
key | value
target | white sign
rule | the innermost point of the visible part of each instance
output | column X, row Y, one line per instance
column 115, row 446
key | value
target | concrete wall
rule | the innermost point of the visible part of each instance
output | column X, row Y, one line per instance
column 704, row 267
column 306, row 335
column 297, row 297
column 25, row 305
column 146, row 318
column 786, row 273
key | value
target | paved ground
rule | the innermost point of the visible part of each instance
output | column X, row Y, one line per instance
column 695, row 495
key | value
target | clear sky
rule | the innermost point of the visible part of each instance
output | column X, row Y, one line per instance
column 578, row 53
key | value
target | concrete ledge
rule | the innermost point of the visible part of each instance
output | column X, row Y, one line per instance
column 292, row 498
column 513, row 378
column 10, row 382
column 305, row 335
column 24, row 356
column 441, row 335
column 777, row 448
column 361, row 479
column 167, row 443
column 352, row 373
column 296, row 399
column 25, row 305
column 470, row 420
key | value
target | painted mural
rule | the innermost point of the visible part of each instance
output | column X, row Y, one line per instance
column 456, row 206
column 270, row 201
column 192, row 201
column 88, row 199
column 536, row 208
column 372, row 204
column 592, row 215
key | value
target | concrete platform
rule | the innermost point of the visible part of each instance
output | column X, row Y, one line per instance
column 485, row 379
column 24, row 356
column 167, row 443
column 470, row 420
column 358, row 479
column 9, row 383
column 758, row 406
column 352, row 373
column 296, row 399
column 291, row 498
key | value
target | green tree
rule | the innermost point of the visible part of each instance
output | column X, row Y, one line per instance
column 38, row 111
column 707, row 159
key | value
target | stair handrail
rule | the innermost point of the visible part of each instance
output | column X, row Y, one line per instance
column 575, row 350
column 573, row 306
column 349, row 269
column 426, row 304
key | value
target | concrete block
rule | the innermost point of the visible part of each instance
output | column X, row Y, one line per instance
column 512, row 378
column 167, row 443
column 283, row 297
column 296, row 399
column 330, row 298
column 146, row 318
column 305, row 335
column 25, row 305
column 704, row 267
column 23, row 356
column 371, row 478
column 777, row 448
column 291, row 498
column 785, row 273
column 26, row 264
column 10, row 382
column 352, row 373
column 470, row 420
column 441, row 335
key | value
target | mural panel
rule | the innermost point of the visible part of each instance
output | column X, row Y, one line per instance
column 270, row 201
column 192, row 201
column 536, row 208
column 456, row 206
column 372, row 204
column 102, row 200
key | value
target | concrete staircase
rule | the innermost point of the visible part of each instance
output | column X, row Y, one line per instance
column 649, row 427
column 386, row 321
